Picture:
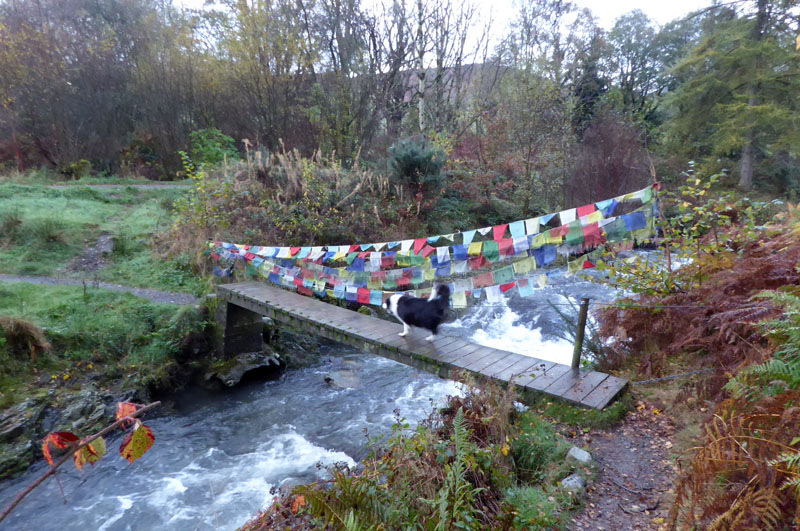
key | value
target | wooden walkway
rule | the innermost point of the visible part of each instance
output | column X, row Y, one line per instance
column 444, row 356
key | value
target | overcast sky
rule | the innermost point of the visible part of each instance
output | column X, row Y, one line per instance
column 607, row 11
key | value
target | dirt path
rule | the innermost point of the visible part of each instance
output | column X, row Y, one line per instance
column 164, row 297
column 634, row 473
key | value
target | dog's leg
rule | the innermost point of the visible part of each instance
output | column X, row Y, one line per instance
column 404, row 333
column 430, row 337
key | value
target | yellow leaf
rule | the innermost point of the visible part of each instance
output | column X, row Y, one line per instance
column 504, row 449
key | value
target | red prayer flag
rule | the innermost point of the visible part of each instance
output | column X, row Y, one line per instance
column 419, row 244
column 249, row 256
column 506, row 287
column 294, row 250
column 585, row 210
column 477, row 262
column 363, row 254
column 506, row 246
column 588, row 265
column 298, row 282
column 483, row 280
column 363, row 295
column 354, row 248
column 592, row 235
column 427, row 250
column 387, row 261
column 304, row 291
column 247, row 247
column 499, row 231
column 403, row 281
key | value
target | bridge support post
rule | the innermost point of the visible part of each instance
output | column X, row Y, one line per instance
column 241, row 330
column 579, row 332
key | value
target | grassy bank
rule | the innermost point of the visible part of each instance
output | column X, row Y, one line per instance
column 106, row 336
column 60, row 232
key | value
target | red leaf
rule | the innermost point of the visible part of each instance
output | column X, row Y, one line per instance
column 125, row 409
column 136, row 443
column 59, row 439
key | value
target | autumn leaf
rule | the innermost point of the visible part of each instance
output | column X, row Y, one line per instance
column 59, row 439
column 126, row 409
column 91, row 453
column 137, row 442
column 297, row 503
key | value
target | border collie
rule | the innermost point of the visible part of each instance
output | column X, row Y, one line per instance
column 422, row 313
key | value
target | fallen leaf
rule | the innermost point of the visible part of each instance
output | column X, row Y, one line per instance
column 297, row 503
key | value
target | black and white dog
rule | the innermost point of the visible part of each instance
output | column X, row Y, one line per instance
column 422, row 313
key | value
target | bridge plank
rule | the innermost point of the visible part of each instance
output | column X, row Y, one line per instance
column 443, row 356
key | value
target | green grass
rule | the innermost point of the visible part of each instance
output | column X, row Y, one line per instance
column 101, row 323
column 42, row 229
column 50, row 177
column 538, row 501
column 583, row 417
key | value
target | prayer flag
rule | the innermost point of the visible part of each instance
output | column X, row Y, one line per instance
column 504, row 275
column 585, row 210
column 482, row 280
column 499, row 231
column 567, row 216
column 490, row 250
column 443, row 254
column 525, row 287
column 459, row 299
column 517, row 229
column 468, row 236
column 475, row 248
column 493, row 295
column 505, row 287
column 506, row 247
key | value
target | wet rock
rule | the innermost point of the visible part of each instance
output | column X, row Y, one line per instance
column 574, row 483
column 232, row 371
column 15, row 458
column 21, row 420
column 85, row 412
column 343, row 378
column 579, row 455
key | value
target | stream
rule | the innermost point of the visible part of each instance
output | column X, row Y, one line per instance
column 218, row 455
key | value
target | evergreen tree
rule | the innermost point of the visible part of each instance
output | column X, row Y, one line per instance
column 739, row 96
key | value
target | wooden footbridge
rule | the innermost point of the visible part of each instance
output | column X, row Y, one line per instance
column 241, row 307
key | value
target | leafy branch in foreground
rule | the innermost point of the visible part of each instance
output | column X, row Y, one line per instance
column 91, row 449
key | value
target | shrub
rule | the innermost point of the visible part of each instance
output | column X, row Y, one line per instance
column 210, row 147
column 124, row 245
column 47, row 231
column 10, row 226
column 417, row 165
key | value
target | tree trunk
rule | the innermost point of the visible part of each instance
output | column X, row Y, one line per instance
column 421, row 74
column 746, row 175
column 748, row 150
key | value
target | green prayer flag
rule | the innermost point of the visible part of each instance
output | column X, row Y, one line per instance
column 504, row 275
column 491, row 251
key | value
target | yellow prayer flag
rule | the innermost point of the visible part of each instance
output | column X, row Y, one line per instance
column 541, row 280
column 523, row 266
column 594, row 217
column 537, row 241
column 459, row 299
column 475, row 248
column 430, row 274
